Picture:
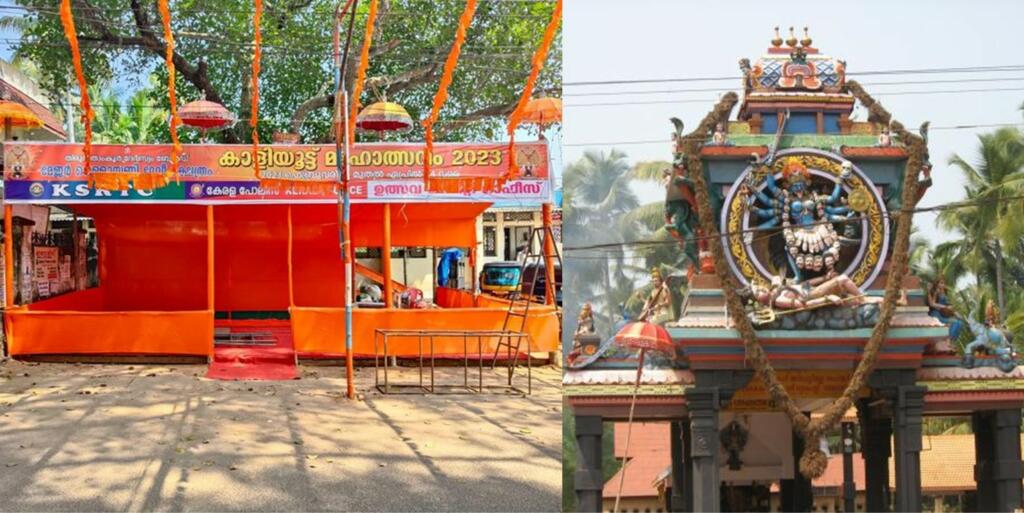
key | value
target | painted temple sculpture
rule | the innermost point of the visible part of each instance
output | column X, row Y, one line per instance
column 802, row 195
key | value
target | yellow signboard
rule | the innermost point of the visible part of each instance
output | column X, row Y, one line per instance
column 816, row 384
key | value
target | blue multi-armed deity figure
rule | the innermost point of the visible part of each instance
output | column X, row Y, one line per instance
column 806, row 217
column 992, row 338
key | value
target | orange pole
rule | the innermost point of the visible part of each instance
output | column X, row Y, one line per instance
column 291, row 277
column 8, row 256
column 385, row 258
column 549, row 255
column 472, row 269
column 209, row 270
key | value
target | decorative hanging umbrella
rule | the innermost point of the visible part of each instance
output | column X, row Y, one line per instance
column 384, row 116
column 206, row 115
column 543, row 111
column 643, row 336
column 14, row 114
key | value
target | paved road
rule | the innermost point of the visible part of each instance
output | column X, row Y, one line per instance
column 162, row 438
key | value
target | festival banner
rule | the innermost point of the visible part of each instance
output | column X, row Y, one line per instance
column 54, row 173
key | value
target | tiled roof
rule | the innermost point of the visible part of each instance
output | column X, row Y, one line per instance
column 50, row 120
column 648, row 456
column 947, row 463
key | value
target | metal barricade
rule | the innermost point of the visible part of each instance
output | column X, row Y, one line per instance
column 383, row 338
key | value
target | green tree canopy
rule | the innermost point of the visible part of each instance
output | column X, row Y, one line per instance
column 213, row 57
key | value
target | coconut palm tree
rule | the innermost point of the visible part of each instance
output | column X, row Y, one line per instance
column 992, row 223
column 141, row 121
column 597, row 195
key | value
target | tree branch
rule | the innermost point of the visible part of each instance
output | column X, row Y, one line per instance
column 148, row 41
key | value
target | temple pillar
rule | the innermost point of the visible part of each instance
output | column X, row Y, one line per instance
column 998, row 467
column 981, row 426
column 713, row 390
column 704, row 405
column 675, row 501
column 907, row 411
column 875, row 433
column 796, row 494
column 589, row 478
column 849, row 486
column 687, row 466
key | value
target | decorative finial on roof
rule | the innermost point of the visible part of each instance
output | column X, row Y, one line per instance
column 806, row 41
column 777, row 42
column 791, row 41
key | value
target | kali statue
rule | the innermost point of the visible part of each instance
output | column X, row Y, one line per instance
column 806, row 217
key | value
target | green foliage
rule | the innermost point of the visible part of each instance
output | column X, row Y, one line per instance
column 214, row 42
column 140, row 121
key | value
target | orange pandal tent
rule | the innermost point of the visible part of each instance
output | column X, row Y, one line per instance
column 429, row 182
column 539, row 57
column 68, row 21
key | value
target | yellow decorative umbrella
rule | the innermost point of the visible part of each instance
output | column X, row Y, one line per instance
column 14, row 114
column 384, row 116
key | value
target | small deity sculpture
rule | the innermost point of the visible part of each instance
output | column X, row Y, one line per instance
column 812, row 243
column 884, row 138
column 658, row 305
column 585, row 341
column 585, row 322
column 939, row 307
column 993, row 338
column 718, row 138
column 748, row 78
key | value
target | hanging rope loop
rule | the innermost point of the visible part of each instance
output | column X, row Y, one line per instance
column 813, row 461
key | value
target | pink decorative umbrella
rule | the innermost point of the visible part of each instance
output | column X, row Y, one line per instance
column 206, row 115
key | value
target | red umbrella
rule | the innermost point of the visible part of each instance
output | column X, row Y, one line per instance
column 643, row 336
column 205, row 115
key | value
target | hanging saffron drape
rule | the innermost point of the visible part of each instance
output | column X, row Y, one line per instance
column 539, row 57
column 364, row 63
column 442, row 93
column 150, row 181
column 68, row 21
column 255, row 108
column 172, row 95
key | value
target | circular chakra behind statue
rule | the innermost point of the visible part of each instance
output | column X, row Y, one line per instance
column 809, row 214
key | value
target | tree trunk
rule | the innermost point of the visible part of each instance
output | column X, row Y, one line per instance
column 608, row 295
column 999, row 279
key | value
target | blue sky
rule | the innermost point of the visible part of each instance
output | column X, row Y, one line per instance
column 642, row 39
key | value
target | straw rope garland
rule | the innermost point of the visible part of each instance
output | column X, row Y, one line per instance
column 539, row 58
column 68, row 21
column 442, row 91
column 813, row 461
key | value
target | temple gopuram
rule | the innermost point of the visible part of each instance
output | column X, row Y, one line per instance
column 799, row 311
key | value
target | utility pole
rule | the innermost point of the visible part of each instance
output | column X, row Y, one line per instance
column 70, row 117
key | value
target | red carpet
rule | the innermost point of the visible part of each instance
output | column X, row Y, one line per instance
column 260, row 350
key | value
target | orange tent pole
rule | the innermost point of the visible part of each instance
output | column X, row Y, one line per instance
column 8, row 256
column 472, row 269
column 385, row 258
column 549, row 255
column 209, row 269
column 291, row 276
